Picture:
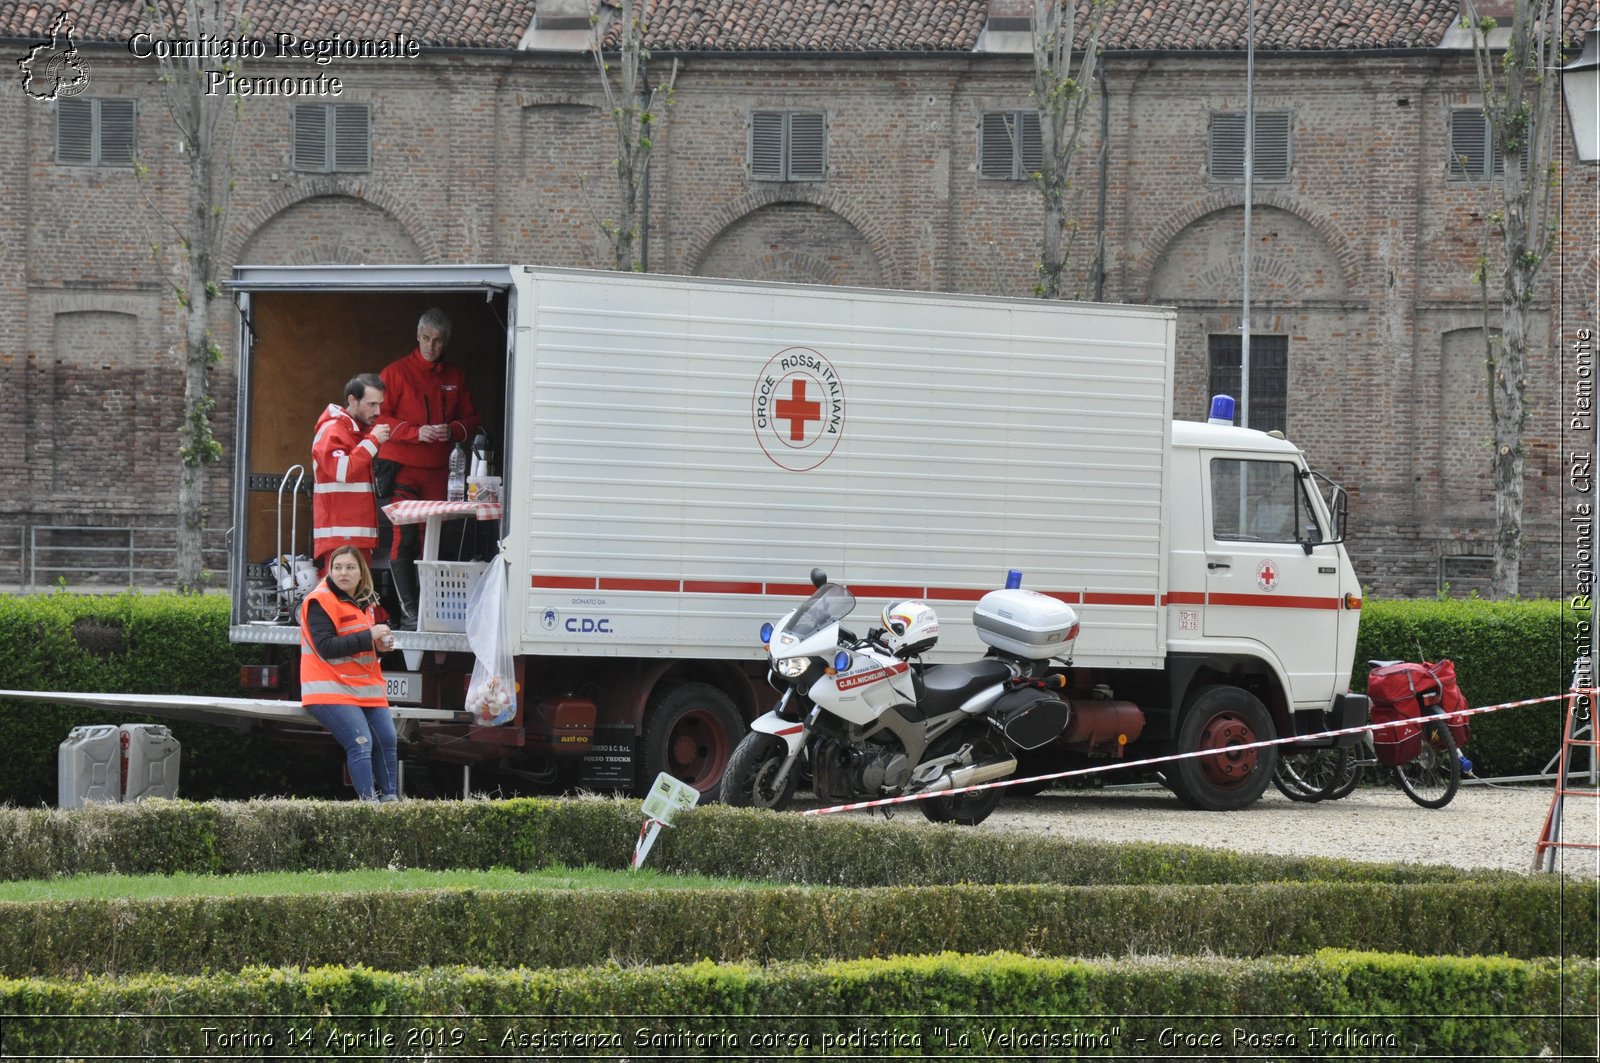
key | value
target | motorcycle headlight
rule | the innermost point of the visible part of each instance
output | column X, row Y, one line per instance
column 793, row 667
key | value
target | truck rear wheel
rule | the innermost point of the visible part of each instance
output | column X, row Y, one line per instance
column 690, row 733
column 1223, row 718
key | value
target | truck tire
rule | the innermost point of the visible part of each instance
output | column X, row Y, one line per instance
column 1220, row 718
column 689, row 733
column 748, row 781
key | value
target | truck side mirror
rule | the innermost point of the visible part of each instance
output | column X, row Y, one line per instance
column 1340, row 504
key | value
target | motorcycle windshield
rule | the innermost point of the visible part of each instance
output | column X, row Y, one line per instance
column 829, row 605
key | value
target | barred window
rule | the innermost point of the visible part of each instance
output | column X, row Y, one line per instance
column 1271, row 147
column 95, row 132
column 332, row 137
column 788, row 145
column 1009, row 146
column 1269, row 376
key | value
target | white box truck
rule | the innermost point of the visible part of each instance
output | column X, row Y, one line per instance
column 680, row 453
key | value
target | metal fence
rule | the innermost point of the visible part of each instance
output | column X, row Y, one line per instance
column 80, row 556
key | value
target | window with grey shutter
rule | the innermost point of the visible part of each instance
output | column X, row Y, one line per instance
column 1226, row 147
column 95, row 132
column 788, row 146
column 1009, row 148
column 1473, row 153
column 332, row 137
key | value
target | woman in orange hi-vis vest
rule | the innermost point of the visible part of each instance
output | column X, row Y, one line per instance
column 341, row 684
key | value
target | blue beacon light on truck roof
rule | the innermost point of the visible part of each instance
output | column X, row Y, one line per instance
column 1221, row 410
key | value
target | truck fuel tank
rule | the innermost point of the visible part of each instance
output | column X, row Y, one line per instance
column 1106, row 726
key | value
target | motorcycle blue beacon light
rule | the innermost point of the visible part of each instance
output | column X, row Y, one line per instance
column 841, row 661
column 1221, row 410
column 766, row 633
column 1014, row 579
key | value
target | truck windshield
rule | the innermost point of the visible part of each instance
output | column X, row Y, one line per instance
column 830, row 604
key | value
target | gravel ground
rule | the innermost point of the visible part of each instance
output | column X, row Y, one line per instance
column 1484, row 826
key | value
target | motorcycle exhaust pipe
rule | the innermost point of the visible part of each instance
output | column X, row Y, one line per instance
column 977, row 774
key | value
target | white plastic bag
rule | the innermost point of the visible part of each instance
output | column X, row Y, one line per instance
column 492, row 694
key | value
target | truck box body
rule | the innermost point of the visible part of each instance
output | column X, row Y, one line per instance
column 685, row 452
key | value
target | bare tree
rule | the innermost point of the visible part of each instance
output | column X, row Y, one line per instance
column 1518, row 91
column 206, row 125
column 632, row 104
column 1060, row 98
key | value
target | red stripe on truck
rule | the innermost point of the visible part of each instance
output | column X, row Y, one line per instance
column 1273, row 601
column 667, row 586
column 713, row 586
column 568, row 583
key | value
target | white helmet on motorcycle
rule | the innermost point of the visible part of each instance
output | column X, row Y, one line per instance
column 910, row 628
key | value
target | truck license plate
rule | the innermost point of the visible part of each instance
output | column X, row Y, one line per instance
column 404, row 687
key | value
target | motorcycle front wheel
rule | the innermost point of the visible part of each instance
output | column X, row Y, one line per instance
column 751, row 778
column 969, row 809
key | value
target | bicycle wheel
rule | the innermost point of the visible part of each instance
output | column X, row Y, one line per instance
column 1355, row 766
column 1432, row 778
column 1309, row 775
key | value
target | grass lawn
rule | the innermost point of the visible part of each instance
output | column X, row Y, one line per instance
column 104, row 887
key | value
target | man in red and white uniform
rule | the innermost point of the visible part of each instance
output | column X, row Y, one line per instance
column 428, row 407
column 344, row 509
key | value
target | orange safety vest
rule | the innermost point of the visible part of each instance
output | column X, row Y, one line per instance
column 356, row 680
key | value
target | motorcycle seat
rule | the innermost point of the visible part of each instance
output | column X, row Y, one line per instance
column 943, row 687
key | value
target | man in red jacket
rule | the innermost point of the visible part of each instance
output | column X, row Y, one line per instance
column 344, row 509
column 428, row 408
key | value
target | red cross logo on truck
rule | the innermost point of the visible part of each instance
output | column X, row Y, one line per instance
column 797, row 409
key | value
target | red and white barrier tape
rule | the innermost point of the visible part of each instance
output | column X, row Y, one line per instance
column 924, row 795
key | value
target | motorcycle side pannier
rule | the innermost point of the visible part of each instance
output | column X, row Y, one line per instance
column 1026, row 623
column 1030, row 718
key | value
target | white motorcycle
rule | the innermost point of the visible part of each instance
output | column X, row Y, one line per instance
column 868, row 719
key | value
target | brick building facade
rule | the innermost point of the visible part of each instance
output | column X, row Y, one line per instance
column 482, row 147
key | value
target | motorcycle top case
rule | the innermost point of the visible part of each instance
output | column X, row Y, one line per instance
column 1026, row 623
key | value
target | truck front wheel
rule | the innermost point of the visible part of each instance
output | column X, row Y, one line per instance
column 1223, row 719
column 689, row 733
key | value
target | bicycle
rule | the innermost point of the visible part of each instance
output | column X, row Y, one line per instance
column 1430, row 778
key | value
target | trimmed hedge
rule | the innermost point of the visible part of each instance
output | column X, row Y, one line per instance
column 162, row 837
column 401, row 930
column 939, row 1006
column 1504, row 651
column 135, row 643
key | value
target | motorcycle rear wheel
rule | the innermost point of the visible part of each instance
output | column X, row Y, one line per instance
column 750, row 781
column 969, row 809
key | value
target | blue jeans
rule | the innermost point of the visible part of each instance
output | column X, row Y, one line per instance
column 359, row 730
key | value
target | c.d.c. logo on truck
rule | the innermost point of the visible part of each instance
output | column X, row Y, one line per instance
column 798, row 409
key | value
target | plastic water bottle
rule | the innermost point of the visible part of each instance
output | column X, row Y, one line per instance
column 457, row 491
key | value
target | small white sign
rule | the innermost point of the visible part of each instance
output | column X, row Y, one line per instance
column 669, row 796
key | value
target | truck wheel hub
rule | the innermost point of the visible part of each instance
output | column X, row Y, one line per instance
column 1225, row 733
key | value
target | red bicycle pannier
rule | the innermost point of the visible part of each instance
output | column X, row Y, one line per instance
column 1400, row 692
column 1453, row 701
